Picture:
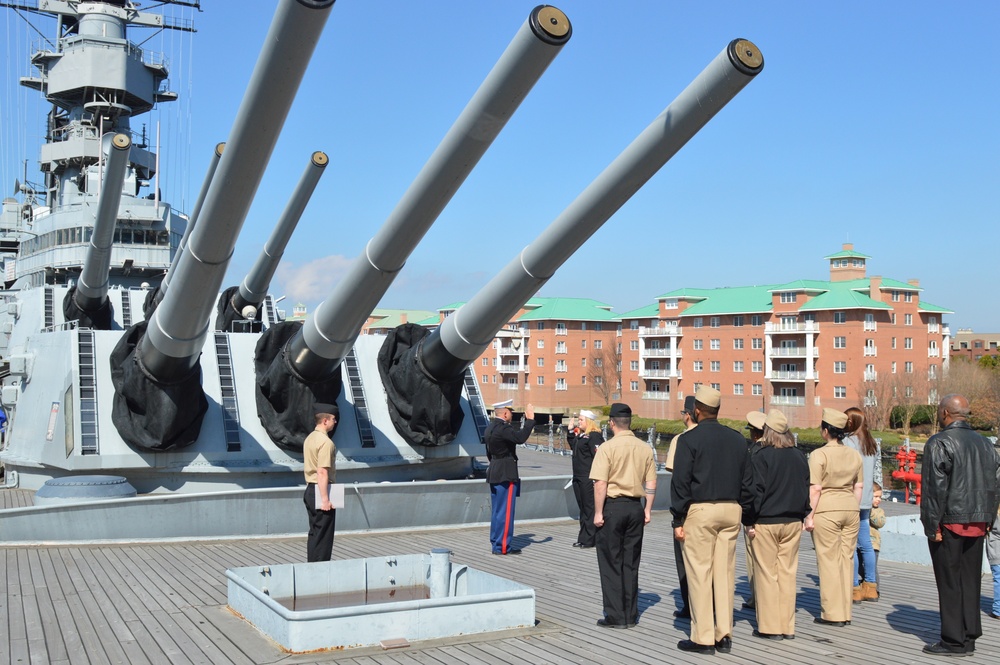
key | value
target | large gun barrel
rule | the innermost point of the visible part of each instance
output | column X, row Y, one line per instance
column 329, row 333
column 462, row 337
column 423, row 371
column 88, row 300
column 253, row 290
column 159, row 403
column 298, row 366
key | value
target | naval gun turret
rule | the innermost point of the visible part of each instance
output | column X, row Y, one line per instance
column 87, row 302
column 242, row 303
column 159, row 403
column 422, row 371
column 298, row 365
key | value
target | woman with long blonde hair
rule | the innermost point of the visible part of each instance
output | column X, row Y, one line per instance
column 860, row 439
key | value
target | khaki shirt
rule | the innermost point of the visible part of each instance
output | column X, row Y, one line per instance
column 626, row 463
column 669, row 464
column 837, row 469
column 318, row 451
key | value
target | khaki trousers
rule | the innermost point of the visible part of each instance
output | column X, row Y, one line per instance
column 710, row 531
column 748, row 542
column 835, row 537
column 776, row 562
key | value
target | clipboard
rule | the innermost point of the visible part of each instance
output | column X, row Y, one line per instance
column 336, row 494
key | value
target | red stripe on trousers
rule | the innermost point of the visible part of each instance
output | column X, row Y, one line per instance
column 506, row 524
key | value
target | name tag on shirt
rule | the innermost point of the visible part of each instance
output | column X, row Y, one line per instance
column 336, row 494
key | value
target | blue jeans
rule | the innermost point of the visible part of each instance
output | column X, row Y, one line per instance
column 996, row 588
column 865, row 549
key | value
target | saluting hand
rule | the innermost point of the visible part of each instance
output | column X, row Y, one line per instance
column 529, row 412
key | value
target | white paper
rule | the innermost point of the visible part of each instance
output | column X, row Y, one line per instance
column 336, row 495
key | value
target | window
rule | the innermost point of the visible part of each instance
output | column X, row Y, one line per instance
column 717, row 386
column 633, row 325
column 756, row 320
column 893, row 366
column 908, row 368
column 909, row 391
column 737, row 365
column 714, row 322
column 840, row 342
column 932, row 372
column 541, row 380
column 598, row 327
column 494, row 361
column 633, row 386
column 583, row 362
column 908, row 319
column 840, row 367
column 670, row 303
column 907, row 342
column 654, row 343
column 757, row 366
column 583, row 325
column 893, row 343
column 583, row 380
column 699, row 344
column 541, row 344
column 634, row 345
column 908, row 297
column 737, row 388
column 598, row 344
column 540, row 362
column 893, row 318
column 486, row 379
column 540, row 325
column 583, row 343
column 633, row 365
column 840, row 392
column 716, row 365
column 560, row 347
column 486, row 362
column 738, row 343
column 560, row 384
column 697, row 323
column 757, row 343
column 654, row 364
column 560, row 328
column 715, row 344
column 757, row 389
column 895, row 296
column 698, row 365
column 738, row 321
column 695, row 387
column 598, row 362
column 788, row 296
column 840, row 317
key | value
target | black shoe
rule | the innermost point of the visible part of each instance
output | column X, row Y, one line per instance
column 939, row 649
column 604, row 623
column 725, row 645
column 513, row 551
column 694, row 647
column 683, row 613
column 586, row 547
column 768, row 636
column 825, row 622
column 578, row 544
column 788, row 637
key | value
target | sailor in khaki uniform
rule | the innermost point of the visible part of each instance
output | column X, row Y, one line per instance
column 624, row 473
column 318, row 455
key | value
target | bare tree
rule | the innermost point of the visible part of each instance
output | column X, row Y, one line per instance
column 604, row 371
column 908, row 396
column 876, row 401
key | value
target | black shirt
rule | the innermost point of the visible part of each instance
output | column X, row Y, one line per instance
column 781, row 486
column 712, row 464
column 501, row 449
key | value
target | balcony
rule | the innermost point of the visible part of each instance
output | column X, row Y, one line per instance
column 792, row 376
column 871, row 351
column 508, row 386
column 805, row 326
column 510, row 350
column 660, row 331
column 871, row 376
column 933, row 328
column 562, row 368
column 660, row 353
column 562, row 331
column 661, row 395
column 787, row 400
column 659, row 373
column 793, row 352
column 946, row 331
column 871, row 326
column 933, row 353
column 510, row 368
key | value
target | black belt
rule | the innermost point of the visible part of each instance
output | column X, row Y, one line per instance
column 624, row 498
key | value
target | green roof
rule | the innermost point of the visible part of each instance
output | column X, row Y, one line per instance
column 391, row 318
column 429, row 322
column 847, row 253
column 567, row 309
column 843, row 298
column 802, row 285
column 927, row 307
column 726, row 300
column 897, row 285
column 642, row 312
column 452, row 306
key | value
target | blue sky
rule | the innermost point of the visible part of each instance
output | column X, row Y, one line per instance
column 873, row 123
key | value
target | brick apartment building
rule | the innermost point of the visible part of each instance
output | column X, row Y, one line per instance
column 973, row 346
column 798, row 346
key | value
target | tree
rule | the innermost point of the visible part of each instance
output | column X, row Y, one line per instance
column 604, row 371
column 876, row 401
column 907, row 397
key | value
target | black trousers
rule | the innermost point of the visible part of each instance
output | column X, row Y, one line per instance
column 957, row 562
column 619, row 548
column 682, row 575
column 319, row 546
column 583, row 489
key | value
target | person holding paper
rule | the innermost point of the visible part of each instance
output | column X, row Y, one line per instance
column 318, row 454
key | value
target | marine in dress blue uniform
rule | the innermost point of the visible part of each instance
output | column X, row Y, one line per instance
column 502, row 439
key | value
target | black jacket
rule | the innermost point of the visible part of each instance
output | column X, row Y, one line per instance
column 501, row 449
column 960, row 478
column 584, row 448
column 781, row 486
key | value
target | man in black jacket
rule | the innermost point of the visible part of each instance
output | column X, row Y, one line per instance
column 960, row 485
column 505, row 483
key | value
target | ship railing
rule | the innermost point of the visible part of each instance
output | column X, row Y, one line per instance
column 152, row 58
column 68, row 325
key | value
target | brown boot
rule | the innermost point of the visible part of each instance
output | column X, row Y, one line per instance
column 858, row 595
column 869, row 591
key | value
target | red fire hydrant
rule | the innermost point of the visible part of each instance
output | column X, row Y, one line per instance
column 907, row 459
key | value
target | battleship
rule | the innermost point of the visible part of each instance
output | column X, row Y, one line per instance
column 126, row 356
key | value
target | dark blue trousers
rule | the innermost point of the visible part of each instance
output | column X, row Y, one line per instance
column 503, row 496
column 619, row 548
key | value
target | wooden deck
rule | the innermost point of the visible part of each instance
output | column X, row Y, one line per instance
column 166, row 603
